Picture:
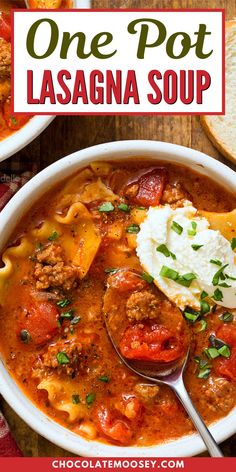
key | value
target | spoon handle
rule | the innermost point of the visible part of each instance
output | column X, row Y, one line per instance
column 196, row 418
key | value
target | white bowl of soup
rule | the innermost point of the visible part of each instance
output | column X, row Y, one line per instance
column 69, row 246
column 18, row 131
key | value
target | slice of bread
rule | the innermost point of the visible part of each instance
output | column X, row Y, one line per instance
column 221, row 129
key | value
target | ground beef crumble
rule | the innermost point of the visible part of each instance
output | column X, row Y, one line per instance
column 142, row 306
column 73, row 351
column 51, row 270
column 146, row 392
column 5, row 58
column 174, row 194
column 82, row 357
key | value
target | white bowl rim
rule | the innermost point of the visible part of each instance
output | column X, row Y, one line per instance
column 185, row 446
column 36, row 125
column 24, row 136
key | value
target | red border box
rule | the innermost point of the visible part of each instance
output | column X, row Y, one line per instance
column 128, row 464
column 221, row 10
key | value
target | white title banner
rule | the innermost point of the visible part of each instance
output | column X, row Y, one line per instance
column 78, row 62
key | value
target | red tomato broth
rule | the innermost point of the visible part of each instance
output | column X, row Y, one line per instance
column 10, row 123
column 102, row 383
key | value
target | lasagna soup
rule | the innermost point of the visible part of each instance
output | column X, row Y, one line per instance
column 152, row 246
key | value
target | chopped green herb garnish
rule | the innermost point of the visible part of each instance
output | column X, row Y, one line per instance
column 124, row 207
column 205, row 307
column 193, row 231
column 165, row 251
column 203, row 325
column 141, row 208
column 25, row 336
column 203, row 363
column 211, row 352
column 148, row 278
column 169, row 273
column 75, row 320
column 224, row 351
column 220, row 346
column 62, row 358
column 191, row 315
column 75, row 399
column 106, row 207
column 203, row 294
column 67, row 314
column 218, row 295
column 172, row 274
column 53, row 236
column 229, row 277
column 90, row 398
column 197, row 359
column 104, row 379
column 186, row 279
column 58, row 323
column 233, row 243
column 110, row 270
column 225, row 285
column 64, row 303
column 13, row 120
column 72, row 331
column 226, row 317
column 189, row 276
column 196, row 246
column 216, row 342
column 133, row 229
column 204, row 373
column 216, row 262
column 176, row 227
column 218, row 275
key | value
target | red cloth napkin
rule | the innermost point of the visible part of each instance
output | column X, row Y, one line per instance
column 13, row 175
column 9, row 184
column 8, row 446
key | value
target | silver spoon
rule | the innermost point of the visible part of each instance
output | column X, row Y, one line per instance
column 172, row 376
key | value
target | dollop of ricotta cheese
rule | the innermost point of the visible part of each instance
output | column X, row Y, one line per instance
column 182, row 241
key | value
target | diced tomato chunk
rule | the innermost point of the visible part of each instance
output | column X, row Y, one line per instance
column 40, row 321
column 228, row 334
column 226, row 367
column 150, row 187
column 151, row 343
column 126, row 281
column 223, row 366
column 113, row 425
column 5, row 26
column 14, row 122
